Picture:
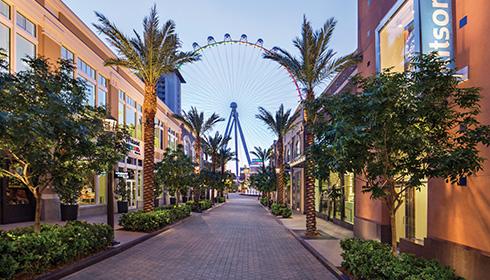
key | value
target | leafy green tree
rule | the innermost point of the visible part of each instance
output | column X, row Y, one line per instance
column 263, row 155
column 198, row 125
column 174, row 173
column 316, row 64
column 279, row 124
column 264, row 181
column 402, row 129
column 50, row 136
column 225, row 155
column 212, row 146
column 150, row 55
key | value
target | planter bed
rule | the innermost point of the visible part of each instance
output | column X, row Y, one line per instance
column 25, row 254
column 155, row 220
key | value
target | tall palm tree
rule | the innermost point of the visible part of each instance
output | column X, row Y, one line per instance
column 225, row 155
column 316, row 64
column 262, row 154
column 198, row 125
column 212, row 146
column 279, row 124
column 149, row 55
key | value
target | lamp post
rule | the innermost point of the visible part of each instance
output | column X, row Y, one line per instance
column 110, row 125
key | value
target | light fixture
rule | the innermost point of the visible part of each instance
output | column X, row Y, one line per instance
column 110, row 123
column 278, row 170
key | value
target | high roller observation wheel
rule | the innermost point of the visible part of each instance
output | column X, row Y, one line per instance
column 235, row 71
column 211, row 42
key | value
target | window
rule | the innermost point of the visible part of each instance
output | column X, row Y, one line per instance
column 397, row 39
column 101, row 98
column 66, row 54
column 23, row 49
column 102, row 81
column 86, row 69
column 89, row 91
column 121, row 109
column 26, row 24
column 5, row 40
column 131, row 121
column 172, row 139
column 5, row 9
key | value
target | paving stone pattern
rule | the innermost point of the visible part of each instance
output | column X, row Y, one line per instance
column 238, row 240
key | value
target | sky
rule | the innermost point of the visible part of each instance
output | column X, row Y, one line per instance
column 277, row 22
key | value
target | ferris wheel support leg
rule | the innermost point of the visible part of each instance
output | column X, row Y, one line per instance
column 235, row 122
column 243, row 141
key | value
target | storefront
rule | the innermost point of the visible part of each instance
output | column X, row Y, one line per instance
column 17, row 203
column 335, row 199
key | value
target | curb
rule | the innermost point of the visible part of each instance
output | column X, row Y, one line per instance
column 98, row 257
column 326, row 263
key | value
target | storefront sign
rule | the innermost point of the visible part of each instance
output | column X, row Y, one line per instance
column 436, row 22
column 134, row 146
column 119, row 174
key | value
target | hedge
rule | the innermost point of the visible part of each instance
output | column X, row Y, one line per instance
column 25, row 253
column 152, row 221
column 369, row 259
column 199, row 206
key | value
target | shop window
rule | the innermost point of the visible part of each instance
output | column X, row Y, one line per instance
column 24, row 49
column 5, row 9
column 5, row 40
column 87, row 195
column 26, row 24
column 102, row 189
column 397, row 39
column 131, row 121
column 121, row 109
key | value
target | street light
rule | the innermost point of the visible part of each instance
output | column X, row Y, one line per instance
column 110, row 125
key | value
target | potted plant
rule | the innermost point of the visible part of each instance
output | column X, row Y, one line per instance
column 69, row 189
column 122, row 196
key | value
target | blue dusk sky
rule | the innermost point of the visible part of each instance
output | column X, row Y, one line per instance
column 227, row 74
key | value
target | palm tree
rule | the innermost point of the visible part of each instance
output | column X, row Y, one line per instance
column 198, row 125
column 150, row 55
column 225, row 155
column 262, row 154
column 279, row 124
column 316, row 64
column 212, row 146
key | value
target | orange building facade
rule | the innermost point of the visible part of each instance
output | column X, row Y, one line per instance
column 449, row 222
column 48, row 28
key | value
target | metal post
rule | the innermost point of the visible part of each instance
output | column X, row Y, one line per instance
column 110, row 197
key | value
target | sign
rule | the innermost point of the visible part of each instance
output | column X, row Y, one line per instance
column 119, row 174
column 436, row 23
column 134, row 146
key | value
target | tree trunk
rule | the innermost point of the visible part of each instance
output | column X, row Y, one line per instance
column 309, row 179
column 149, row 112
column 280, row 175
column 197, row 148
column 37, row 215
column 394, row 244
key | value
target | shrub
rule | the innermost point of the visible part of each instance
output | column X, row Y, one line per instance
column 276, row 209
column 264, row 201
column 205, row 204
column 157, row 219
column 221, row 199
column 369, row 259
column 23, row 251
column 195, row 206
column 286, row 212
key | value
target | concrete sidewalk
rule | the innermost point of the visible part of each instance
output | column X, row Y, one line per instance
column 328, row 248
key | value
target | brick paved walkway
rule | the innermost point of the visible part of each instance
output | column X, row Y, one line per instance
column 236, row 241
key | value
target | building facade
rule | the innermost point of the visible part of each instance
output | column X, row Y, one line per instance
column 449, row 222
column 48, row 28
column 169, row 91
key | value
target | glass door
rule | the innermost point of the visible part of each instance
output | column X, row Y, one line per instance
column 131, row 184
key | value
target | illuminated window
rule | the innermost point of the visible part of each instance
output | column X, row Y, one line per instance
column 397, row 39
column 23, row 49
column 26, row 24
column 101, row 98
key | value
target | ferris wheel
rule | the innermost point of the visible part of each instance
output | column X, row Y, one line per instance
column 233, row 73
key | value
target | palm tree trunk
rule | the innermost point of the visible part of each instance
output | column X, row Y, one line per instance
column 280, row 175
column 309, row 179
column 149, row 112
